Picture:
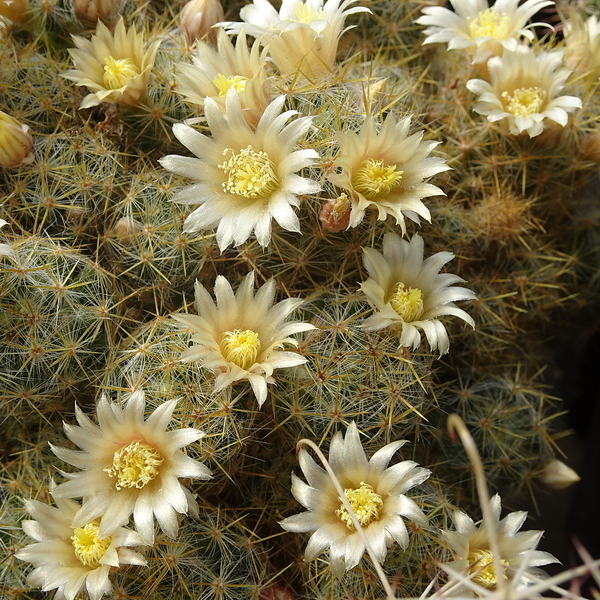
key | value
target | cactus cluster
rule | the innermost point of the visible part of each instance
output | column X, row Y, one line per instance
column 358, row 171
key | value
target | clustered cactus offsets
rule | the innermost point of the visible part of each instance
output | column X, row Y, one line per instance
column 331, row 221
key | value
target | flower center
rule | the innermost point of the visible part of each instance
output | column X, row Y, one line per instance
column 407, row 302
column 489, row 23
column 118, row 72
column 306, row 14
column 525, row 101
column 88, row 548
column 374, row 178
column 481, row 566
column 250, row 174
column 135, row 465
column 240, row 347
column 222, row 83
column 365, row 502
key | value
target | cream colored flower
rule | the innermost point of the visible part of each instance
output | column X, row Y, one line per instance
column 302, row 36
column 115, row 68
column 385, row 170
column 518, row 556
column 523, row 91
column 73, row 559
column 410, row 293
column 582, row 39
column 245, row 177
column 479, row 29
column 130, row 465
column 237, row 67
column 242, row 337
column 375, row 492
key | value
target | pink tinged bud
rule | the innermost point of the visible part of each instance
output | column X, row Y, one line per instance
column 126, row 228
column 197, row 18
column 335, row 214
column 15, row 142
column 89, row 11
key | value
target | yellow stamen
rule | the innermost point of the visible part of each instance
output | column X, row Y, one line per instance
column 525, row 101
column 481, row 566
column 117, row 72
column 222, row 83
column 240, row 347
column 407, row 302
column 135, row 465
column 490, row 23
column 365, row 502
column 88, row 548
column 373, row 178
column 250, row 173
column 305, row 13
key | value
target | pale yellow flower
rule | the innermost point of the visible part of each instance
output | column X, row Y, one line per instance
column 479, row 29
column 243, row 336
column 384, row 168
column 303, row 36
column 410, row 294
column 71, row 559
column 474, row 557
column 237, row 67
column 114, row 67
column 130, row 465
column 524, row 91
column 376, row 493
column 582, row 39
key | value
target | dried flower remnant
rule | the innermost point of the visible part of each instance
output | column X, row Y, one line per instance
column 237, row 67
column 479, row 29
column 16, row 142
column 245, row 177
column 385, row 169
column 130, row 465
column 303, row 36
column 523, row 91
column 376, row 493
column 242, row 337
column 475, row 558
column 115, row 68
column 71, row 559
column 410, row 294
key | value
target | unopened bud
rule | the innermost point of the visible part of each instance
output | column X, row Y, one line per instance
column 335, row 214
column 126, row 228
column 197, row 18
column 555, row 475
column 15, row 10
column 89, row 11
column 15, row 142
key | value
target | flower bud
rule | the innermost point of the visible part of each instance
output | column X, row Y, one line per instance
column 89, row 11
column 126, row 228
column 15, row 10
column 15, row 142
column 197, row 18
column 555, row 475
column 335, row 214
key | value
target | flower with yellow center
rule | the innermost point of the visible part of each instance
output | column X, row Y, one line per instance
column 410, row 294
column 302, row 37
column 114, row 67
column 246, row 177
column 73, row 560
column 474, row 558
column 523, row 91
column 129, row 465
column 376, row 493
column 383, row 168
column 213, row 73
column 479, row 29
column 242, row 336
